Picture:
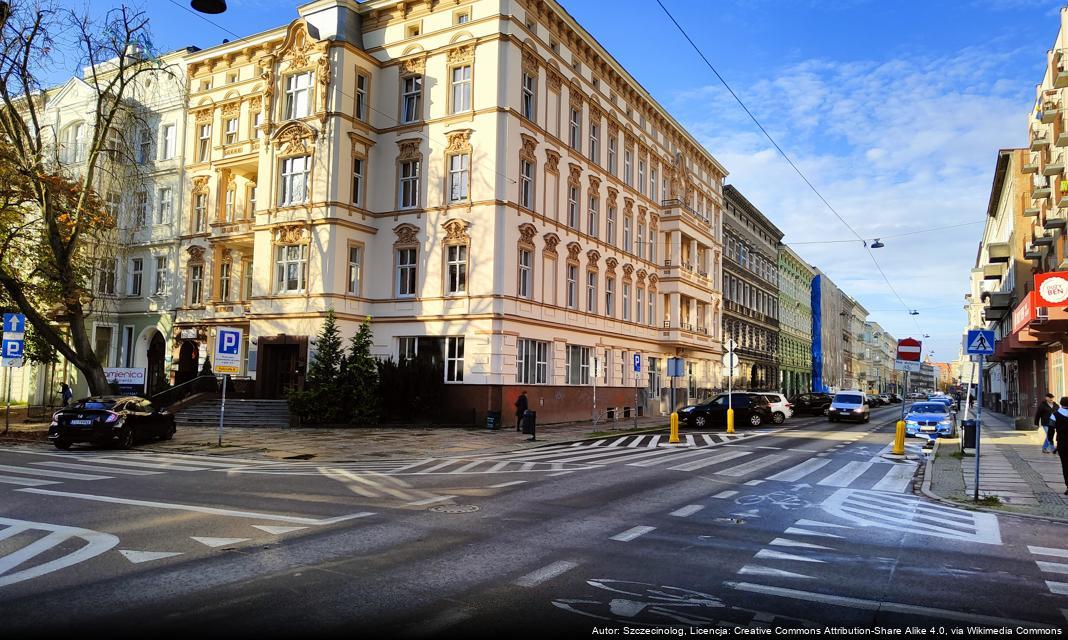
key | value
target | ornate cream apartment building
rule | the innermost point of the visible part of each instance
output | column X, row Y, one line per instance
column 480, row 179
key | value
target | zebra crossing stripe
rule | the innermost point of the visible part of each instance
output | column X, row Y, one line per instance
column 897, row 480
column 1052, row 567
column 469, row 465
column 26, row 482
column 711, row 460
column 664, row 459
column 786, row 542
column 653, row 442
column 1048, row 551
column 846, row 475
column 637, row 441
column 771, row 554
column 898, row 512
column 86, row 467
column 440, row 465
column 754, row 465
column 800, row 471
column 1058, row 588
column 497, row 467
column 805, row 532
column 169, row 458
column 148, row 465
column 413, row 465
column 757, row 570
column 817, row 523
column 618, row 442
column 48, row 473
column 708, row 439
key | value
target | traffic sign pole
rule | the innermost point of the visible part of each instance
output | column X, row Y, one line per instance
column 7, row 411
column 978, row 421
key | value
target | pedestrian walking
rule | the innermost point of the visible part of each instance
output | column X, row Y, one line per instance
column 1061, row 430
column 66, row 393
column 520, row 409
column 1044, row 418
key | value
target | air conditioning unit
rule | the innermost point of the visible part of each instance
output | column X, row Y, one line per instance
column 1041, row 316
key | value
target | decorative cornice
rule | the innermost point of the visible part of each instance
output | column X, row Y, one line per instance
column 204, row 115
column 595, row 182
column 573, row 249
column 294, row 137
column 552, row 161
column 462, row 54
column 531, row 62
column 406, row 234
column 592, row 256
column 551, row 240
column 415, row 66
column 200, row 184
column 530, row 143
column 574, row 174
column 527, row 232
column 459, row 141
column 289, row 234
column 456, row 231
column 409, row 149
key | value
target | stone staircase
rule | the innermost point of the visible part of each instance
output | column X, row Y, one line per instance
column 239, row 413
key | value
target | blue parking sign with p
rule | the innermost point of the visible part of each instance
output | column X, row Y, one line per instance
column 12, row 348
column 637, row 362
column 229, row 342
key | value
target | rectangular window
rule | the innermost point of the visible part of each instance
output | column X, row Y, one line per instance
column 652, row 183
column 361, row 97
column 102, row 346
column 144, row 152
column 612, row 166
column 652, row 309
column 628, row 162
column 291, row 268
column 626, row 301
column 652, row 245
column 406, row 272
column 627, row 222
column 610, row 297
column 106, row 277
column 140, row 208
column 298, row 95
column 196, row 284
column 572, row 207
column 639, row 305
column 411, row 96
column 641, row 177
column 610, row 224
column 246, row 272
column 592, row 215
column 166, row 203
column 572, row 286
column 357, row 181
column 230, row 207
column 639, row 241
column 459, row 176
column 161, row 275
column 591, row 291
column 575, row 134
column 354, row 271
column 137, row 274
column 200, row 212
column 577, row 365
column 532, row 363
column 408, row 349
column 461, row 89
column 295, row 174
column 454, row 359
column 595, row 142
column 203, row 142
column 654, row 376
column 530, row 87
column 257, row 120
column 457, row 269
column 525, row 273
column 409, row 184
column 225, row 273
column 526, row 185
column 230, row 131
column 169, row 142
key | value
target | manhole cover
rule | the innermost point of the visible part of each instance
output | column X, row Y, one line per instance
column 455, row 508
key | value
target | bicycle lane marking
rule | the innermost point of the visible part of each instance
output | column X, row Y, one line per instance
column 96, row 543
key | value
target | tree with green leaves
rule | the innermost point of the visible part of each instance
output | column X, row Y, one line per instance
column 361, row 377
column 323, row 399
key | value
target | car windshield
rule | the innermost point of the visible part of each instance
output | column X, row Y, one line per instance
column 929, row 407
column 96, row 404
column 848, row 398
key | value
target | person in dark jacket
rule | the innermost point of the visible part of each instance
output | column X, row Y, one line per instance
column 520, row 407
column 66, row 393
column 1061, row 429
column 1044, row 419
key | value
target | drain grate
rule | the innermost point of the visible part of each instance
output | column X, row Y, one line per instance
column 455, row 508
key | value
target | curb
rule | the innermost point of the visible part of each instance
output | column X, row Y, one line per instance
column 925, row 488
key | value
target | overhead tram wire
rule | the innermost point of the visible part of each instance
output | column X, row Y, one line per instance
column 895, row 235
column 785, row 156
column 338, row 89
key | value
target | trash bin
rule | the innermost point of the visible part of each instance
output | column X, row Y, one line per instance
column 493, row 420
column 968, row 426
column 530, row 419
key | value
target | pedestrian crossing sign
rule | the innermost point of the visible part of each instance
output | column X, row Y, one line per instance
column 980, row 342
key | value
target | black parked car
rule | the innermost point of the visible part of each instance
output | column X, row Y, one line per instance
column 749, row 409
column 110, row 419
column 812, row 403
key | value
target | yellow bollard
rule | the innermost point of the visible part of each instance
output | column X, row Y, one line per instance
column 674, row 428
column 899, row 439
column 730, row 420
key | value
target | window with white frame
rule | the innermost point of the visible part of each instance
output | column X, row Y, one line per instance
column 456, row 269
column 525, row 273
column 591, row 292
column 610, row 297
column 409, row 184
column 628, row 166
column 461, row 88
column 572, row 286
column 652, row 309
column 196, row 284
column 652, row 183
column 358, row 174
column 577, row 365
column 641, row 177
column 595, row 142
column 593, row 215
column 355, row 271
column 406, row 271
column 291, row 268
column 532, row 363
column 575, row 130
column 639, row 302
column 225, row 274
column 459, row 176
column 295, row 174
column 626, row 301
column 530, row 88
column 411, row 98
column 454, row 359
column 166, row 205
column 612, row 159
column 230, row 131
column 572, row 207
column 627, row 222
column 169, row 141
column 203, row 142
column 257, row 120
column 246, row 273
column 610, row 225
column 639, row 241
column 137, row 275
column 526, row 184
column 652, row 245
column 103, row 343
column 200, row 211
column 361, row 96
column 161, row 276
column 654, row 377
column 144, row 151
column 140, row 209
column 298, row 95
column 106, row 276
column 230, row 203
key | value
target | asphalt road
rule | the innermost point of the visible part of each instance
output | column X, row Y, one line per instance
column 808, row 525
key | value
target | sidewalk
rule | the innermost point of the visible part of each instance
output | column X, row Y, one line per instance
column 347, row 445
column 1011, row 467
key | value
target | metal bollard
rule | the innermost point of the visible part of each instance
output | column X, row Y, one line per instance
column 674, row 439
column 730, row 420
column 899, row 439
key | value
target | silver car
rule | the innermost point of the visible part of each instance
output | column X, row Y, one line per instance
column 849, row 405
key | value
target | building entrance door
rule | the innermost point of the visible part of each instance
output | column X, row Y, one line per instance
column 188, row 355
column 156, row 349
column 281, row 372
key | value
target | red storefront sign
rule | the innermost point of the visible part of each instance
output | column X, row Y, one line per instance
column 1024, row 312
column 1052, row 289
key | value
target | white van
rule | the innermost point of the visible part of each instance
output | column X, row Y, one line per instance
column 849, row 405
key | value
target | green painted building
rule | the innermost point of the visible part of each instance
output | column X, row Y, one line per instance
column 795, row 322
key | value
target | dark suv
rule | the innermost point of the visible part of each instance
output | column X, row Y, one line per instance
column 749, row 409
column 811, row 403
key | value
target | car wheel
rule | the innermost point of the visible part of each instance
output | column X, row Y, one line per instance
column 169, row 433
column 61, row 443
column 700, row 422
column 778, row 417
column 126, row 438
column 755, row 420
column 867, row 417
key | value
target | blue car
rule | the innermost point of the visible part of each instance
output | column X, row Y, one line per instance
column 931, row 420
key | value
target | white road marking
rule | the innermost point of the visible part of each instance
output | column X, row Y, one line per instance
column 548, row 572
column 619, row 441
column 771, row 554
column 277, row 530
column 599, row 442
column 430, row 500
column 688, row 510
column 753, row 483
column 663, row 459
column 26, row 482
column 1048, row 551
column 97, row 543
column 753, row 465
column 89, row 467
column 636, row 442
column 713, row 459
column 806, row 532
column 527, row 466
column 469, row 465
column 219, row 542
column 148, row 465
column 48, row 473
column 172, row 459
column 757, row 570
column 906, row 513
column 440, row 465
column 507, row 484
column 631, row 534
column 560, row 473
column 846, row 475
column 897, row 480
column 800, row 471
column 786, row 542
column 708, row 439
column 137, row 557
column 199, row 509
column 653, row 442
column 413, row 465
column 723, row 495
column 1052, row 567
column 1059, row 588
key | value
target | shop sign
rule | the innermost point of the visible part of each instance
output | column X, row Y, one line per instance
column 1052, row 289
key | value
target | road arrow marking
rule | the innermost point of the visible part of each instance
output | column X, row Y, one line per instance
column 137, row 557
column 218, row 542
column 277, row 530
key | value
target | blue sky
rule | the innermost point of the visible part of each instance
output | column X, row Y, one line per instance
column 894, row 110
